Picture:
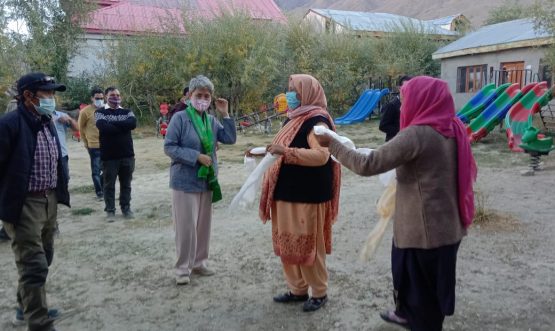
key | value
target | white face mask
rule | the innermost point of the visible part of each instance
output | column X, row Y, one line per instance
column 98, row 103
column 200, row 104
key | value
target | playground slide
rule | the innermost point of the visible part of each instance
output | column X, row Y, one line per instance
column 364, row 110
column 363, row 99
column 519, row 118
column 480, row 101
column 494, row 113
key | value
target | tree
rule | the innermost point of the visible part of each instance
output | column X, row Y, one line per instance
column 510, row 10
column 544, row 13
column 52, row 30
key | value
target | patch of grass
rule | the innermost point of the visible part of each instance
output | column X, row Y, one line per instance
column 162, row 165
column 483, row 214
column 82, row 189
column 82, row 211
column 491, row 219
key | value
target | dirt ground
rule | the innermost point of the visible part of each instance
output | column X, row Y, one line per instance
column 119, row 276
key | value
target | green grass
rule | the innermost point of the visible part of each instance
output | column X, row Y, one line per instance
column 82, row 189
column 82, row 211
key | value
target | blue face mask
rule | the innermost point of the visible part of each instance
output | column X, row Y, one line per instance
column 46, row 106
column 99, row 103
column 292, row 101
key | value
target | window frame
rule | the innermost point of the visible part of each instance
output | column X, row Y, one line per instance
column 474, row 76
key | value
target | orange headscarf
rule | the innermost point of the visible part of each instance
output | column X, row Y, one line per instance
column 313, row 103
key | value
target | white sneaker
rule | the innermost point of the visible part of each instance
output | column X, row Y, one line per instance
column 182, row 280
column 203, row 271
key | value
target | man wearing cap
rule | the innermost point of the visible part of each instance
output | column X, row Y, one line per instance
column 32, row 183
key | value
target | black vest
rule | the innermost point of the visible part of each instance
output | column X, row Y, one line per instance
column 305, row 184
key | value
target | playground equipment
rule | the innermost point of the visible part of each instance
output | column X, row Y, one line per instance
column 520, row 116
column 495, row 112
column 260, row 120
column 280, row 103
column 363, row 107
column 480, row 101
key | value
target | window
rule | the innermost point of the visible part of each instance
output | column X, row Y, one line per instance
column 472, row 78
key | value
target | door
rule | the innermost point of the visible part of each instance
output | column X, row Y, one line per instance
column 513, row 72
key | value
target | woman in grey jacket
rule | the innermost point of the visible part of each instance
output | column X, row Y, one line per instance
column 435, row 202
column 191, row 143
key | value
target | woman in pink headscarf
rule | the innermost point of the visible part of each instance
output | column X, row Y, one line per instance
column 435, row 202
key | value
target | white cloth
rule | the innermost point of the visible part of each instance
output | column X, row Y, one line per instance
column 247, row 194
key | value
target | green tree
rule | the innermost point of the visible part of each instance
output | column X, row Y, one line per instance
column 48, row 40
column 544, row 13
column 510, row 10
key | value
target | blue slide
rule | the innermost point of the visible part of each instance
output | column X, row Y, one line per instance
column 362, row 108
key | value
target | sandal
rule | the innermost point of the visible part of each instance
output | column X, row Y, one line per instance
column 390, row 317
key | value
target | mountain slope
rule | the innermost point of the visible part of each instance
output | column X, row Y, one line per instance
column 475, row 10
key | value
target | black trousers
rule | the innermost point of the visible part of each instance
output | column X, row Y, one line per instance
column 122, row 169
column 424, row 285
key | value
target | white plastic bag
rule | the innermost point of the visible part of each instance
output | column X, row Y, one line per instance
column 250, row 164
column 321, row 130
column 247, row 194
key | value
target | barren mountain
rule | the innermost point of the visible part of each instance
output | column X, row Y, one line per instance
column 475, row 10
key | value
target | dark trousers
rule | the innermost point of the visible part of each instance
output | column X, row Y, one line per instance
column 96, row 170
column 424, row 285
column 33, row 247
column 122, row 169
column 65, row 166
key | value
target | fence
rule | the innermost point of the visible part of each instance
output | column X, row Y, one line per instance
column 522, row 77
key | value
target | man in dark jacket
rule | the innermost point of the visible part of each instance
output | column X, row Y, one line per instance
column 32, row 183
column 391, row 113
column 115, row 124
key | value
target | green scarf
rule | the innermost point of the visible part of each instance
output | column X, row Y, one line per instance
column 204, row 130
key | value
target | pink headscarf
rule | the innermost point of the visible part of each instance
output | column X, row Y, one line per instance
column 427, row 101
column 311, row 92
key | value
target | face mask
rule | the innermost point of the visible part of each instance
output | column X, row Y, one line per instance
column 201, row 105
column 98, row 103
column 292, row 100
column 116, row 101
column 46, row 106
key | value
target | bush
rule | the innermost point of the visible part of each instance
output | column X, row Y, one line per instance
column 78, row 92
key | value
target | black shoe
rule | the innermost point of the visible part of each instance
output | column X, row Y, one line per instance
column 128, row 214
column 391, row 317
column 314, row 304
column 4, row 235
column 290, row 297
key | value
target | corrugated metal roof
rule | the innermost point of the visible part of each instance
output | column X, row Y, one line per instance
column 378, row 22
column 140, row 16
column 496, row 34
column 444, row 20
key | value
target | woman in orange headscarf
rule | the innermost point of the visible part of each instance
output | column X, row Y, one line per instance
column 300, row 194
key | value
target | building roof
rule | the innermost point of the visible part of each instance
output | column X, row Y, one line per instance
column 158, row 16
column 377, row 22
column 444, row 20
column 496, row 37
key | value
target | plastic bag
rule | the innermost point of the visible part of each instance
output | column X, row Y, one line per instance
column 321, row 130
column 250, row 164
column 386, row 208
column 247, row 194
